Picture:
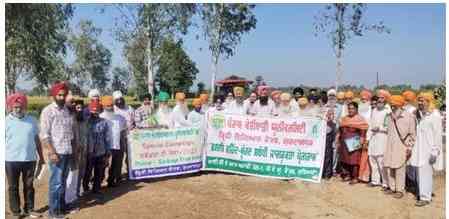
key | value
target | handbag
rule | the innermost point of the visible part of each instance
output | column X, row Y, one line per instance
column 353, row 143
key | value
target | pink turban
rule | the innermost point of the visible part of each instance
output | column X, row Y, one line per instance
column 16, row 98
column 58, row 87
column 365, row 94
column 261, row 88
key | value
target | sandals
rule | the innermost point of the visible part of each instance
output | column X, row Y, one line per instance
column 398, row 195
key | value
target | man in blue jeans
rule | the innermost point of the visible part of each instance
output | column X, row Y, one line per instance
column 57, row 135
column 22, row 143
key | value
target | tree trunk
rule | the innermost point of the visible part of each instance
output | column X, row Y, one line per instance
column 150, row 70
column 214, row 73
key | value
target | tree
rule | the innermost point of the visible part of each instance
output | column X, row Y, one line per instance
column 151, row 24
column 201, row 87
column 341, row 22
column 223, row 26
column 35, row 42
column 176, row 71
column 120, row 79
column 92, row 58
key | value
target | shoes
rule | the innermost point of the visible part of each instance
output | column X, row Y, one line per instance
column 388, row 192
column 385, row 189
column 372, row 185
column 398, row 195
column 58, row 216
column 353, row 182
column 422, row 203
column 31, row 214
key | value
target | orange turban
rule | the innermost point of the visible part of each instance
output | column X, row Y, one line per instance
column 303, row 101
column 58, row 87
column 349, row 94
column 397, row 101
column 409, row 96
column 16, row 98
column 365, row 94
column 204, row 98
column 180, row 96
column 107, row 101
column 341, row 95
column 383, row 93
column 196, row 102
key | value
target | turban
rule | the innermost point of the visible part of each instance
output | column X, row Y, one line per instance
column 95, row 106
column 180, row 96
column 204, row 98
column 196, row 102
column 397, row 101
column 16, row 98
column 409, row 96
column 349, row 94
column 107, row 101
column 238, row 91
column 163, row 96
column 285, row 97
column 93, row 93
column 117, row 95
column 261, row 88
column 341, row 95
column 331, row 92
column 275, row 94
column 383, row 93
column 365, row 95
column 58, row 87
column 303, row 101
column 427, row 96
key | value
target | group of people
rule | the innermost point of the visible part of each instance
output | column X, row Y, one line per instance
column 381, row 139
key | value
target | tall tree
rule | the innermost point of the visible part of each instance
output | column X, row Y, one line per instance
column 340, row 22
column 92, row 58
column 224, row 25
column 120, row 79
column 154, row 22
column 35, row 37
column 176, row 71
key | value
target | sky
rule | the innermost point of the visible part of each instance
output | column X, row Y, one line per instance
column 284, row 50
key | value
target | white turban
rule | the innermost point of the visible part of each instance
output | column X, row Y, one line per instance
column 94, row 93
column 332, row 92
column 117, row 94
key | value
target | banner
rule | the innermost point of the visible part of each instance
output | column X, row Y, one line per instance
column 164, row 152
column 267, row 147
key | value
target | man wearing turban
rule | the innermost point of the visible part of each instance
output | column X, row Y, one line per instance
column 237, row 106
column 250, row 104
column 204, row 97
column 401, row 135
column 285, row 109
column 427, row 155
column 365, row 112
column 180, row 112
column 22, row 145
column 196, row 116
column 57, row 135
column 264, row 106
column 348, row 98
column 410, row 99
column 143, row 113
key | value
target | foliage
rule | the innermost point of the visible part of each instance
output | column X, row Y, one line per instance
column 200, row 87
column 120, row 80
column 92, row 58
column 35, row 36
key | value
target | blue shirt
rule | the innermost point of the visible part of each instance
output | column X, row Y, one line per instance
column 98, row 139
column 20, row 138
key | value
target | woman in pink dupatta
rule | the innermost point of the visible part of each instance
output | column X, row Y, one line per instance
column 353, row 126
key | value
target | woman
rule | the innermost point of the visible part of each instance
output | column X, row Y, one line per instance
column 351, row 138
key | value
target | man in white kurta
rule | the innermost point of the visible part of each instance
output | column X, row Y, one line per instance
column 410, row 98
column 237, row 106
column 264, row 106
column 250, row 104
column 179, row 113
column 285, row 109
column 163, row 112
column 377, row 137
column 427, row 153
column 196, row 116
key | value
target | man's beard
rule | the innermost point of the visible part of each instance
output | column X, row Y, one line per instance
column 284, row 109
column 263, row 100
column 364, row 107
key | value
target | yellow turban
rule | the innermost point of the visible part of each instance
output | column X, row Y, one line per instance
column 180, row 96
column 397, row 101
column 349, row 94
column 409, row 96
column 383, row 93
column 107, row 101
column 341, row 95
column 285, row 97
column 204, row 98
column 428, row 96
column 238, row 91
column 196, row 102
column 275, row 94
column 303, row 101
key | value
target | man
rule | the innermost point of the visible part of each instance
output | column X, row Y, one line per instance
column 204, row 102
column 410, row 98
column 349, row 97
column 401, row 134
column 196, row 117
column 228, row 100
column 119, row 139
column 126, row 112
column 57, row 134
column 285, row 109
column 180, row 111
column 365, row 112
column 163, row 112
column 250, row 104
column 340, row 99
column 93, row 95
column 22, row 145
column 427, row 153
column 237, row 107
column 331, row 131
column 98, row 146
column 314, row 105
column 264, row 106
column 143, row 113
column 81, row 131
column 303, row 110
column 381, row 93
column 377, row 137
column 298, row 92
column 374, row 102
